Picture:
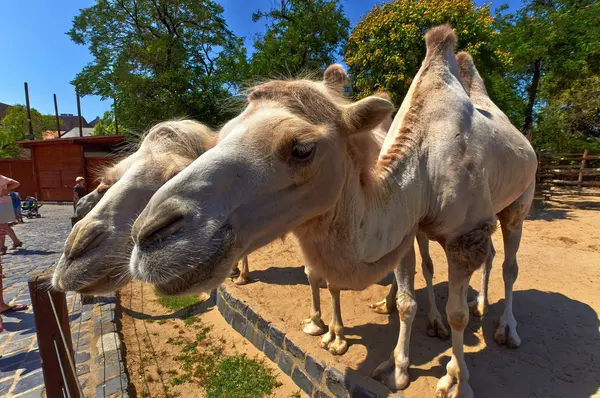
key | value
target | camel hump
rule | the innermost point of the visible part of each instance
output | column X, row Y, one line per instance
column 441, row 39
column 335, row 77
column 469, row 76
column 384, row 95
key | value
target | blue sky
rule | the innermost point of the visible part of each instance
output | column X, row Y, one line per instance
column 36, row 49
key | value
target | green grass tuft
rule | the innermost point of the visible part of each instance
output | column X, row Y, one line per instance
column 239, row 376
column 177, row 303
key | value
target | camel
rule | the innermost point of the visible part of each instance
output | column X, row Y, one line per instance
column 96, row 252
column 447, row 168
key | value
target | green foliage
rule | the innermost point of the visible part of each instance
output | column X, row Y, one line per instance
column 387, row 46
column 177, row 303
column 13, row 128
column 300, row 36
column 106, row 125
column 160, row 59
column 559, row 39
column 239, row 376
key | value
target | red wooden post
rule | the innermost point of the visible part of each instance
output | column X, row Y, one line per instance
column 56, row 368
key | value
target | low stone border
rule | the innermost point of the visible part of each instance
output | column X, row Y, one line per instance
column 112, row 379
column 317, row 379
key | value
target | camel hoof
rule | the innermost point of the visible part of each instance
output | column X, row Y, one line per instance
column 313, row 328
column 436, row 328
column 448, row 388
column 234, row 273
column 241, row 281
column 382, row 307
column 397, row 380
column 327, row 339
column 477, row 309
column 338, row 347
column 505, row 335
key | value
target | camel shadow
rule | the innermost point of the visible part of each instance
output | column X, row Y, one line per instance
column 292, row 276
column 559, row 355
column 194, row 309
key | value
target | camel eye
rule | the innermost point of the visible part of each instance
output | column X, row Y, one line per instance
column 303, row 153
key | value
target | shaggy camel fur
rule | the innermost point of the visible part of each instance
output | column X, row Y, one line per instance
column 297, row 151
column 97, row 250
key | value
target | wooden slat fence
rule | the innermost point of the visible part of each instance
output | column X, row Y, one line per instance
column 571, row 169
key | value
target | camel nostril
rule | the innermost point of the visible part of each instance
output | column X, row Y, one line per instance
column 84, row 237
column 159, row 228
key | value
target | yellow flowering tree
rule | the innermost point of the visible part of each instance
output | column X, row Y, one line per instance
column 387, row 46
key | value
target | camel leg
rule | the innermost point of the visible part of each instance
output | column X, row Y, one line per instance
column 387, row 305
column 407, row 308
column 479, row 306
column 314, row 324
column 435, row 326
column 334, row 340
column 456, row 381
column 511, row 221
column 244, row 279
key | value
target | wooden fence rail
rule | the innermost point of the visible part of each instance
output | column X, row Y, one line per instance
column 572, row 169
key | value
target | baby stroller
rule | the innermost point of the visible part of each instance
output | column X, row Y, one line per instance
column 30, row 207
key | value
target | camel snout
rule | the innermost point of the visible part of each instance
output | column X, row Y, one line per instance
column 85, row 236
column 158, row 228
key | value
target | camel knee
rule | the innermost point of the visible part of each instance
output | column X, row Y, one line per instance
column 407, row 307
column 458, row 319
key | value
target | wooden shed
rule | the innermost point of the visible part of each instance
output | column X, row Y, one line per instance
column 56, row 163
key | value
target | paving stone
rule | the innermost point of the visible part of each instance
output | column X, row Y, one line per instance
column 37, row 393
column 27, row 383
column 109, row 371
column 294, row 349
column 239, row 323
column 263, row 325
column 13, row 346
column 313, row 368
column 271, row 351
column 276, row 336
column 362, row 392
column 228, row 315
column 302, row 381
column 255, row 337
column 286, row 363
column 112, row 386
column 251, row 316
column 82, row 369
column 5, row 386
column 335, row 382
column 82, row 357
column 320, row 394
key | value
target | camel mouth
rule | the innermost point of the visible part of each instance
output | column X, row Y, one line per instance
column 108, row 283
column 199, row 274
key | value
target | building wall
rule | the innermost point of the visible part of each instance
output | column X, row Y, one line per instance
column 22, row 171
column 56, row 166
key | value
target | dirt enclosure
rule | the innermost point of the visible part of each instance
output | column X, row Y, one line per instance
column 556, row 304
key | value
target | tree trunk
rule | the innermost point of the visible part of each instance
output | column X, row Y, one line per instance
column 532, row 94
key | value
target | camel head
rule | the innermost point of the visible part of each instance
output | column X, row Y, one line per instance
column 281, row 163
column 96, row 253
column 87, row 203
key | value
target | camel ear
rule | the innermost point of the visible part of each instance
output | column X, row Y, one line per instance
column 366, row 114
column 335, row 78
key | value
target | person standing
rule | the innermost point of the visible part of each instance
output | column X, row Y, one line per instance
column 16, row 202
column 78, row 191
column 7, row 214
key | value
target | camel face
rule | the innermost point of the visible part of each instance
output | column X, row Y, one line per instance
column 96, row 254
column 87, row 203
column 276, row 166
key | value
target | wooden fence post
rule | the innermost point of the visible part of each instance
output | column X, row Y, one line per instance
column 56, row 364
column 583, row 161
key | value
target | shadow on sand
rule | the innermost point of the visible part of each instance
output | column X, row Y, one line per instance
column 559, row 355
column 292, row 276
column 194, row 309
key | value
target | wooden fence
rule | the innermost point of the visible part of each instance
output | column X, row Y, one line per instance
column 571, row 169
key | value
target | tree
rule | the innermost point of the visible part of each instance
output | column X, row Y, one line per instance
column 551, row 44
column 301, row 36
column 160, row 59
column 13, row 128
column 387, row 46
column 106, row 125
